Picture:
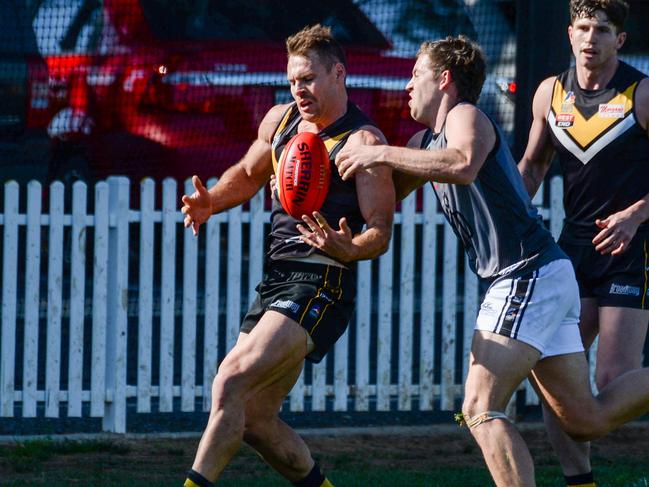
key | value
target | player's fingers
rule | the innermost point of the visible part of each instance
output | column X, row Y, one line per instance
column 321, row 221
column 607, row 245
column 620, row 249
column 344, row 226
column 303, row 230
column 313, row 226
column 601, row 223
column 602, row 236
column 198, row 184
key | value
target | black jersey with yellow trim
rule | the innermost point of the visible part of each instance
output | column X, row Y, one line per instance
column 603, row 150
column 341, row 200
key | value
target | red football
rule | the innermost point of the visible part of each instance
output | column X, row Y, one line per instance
column 303, row 175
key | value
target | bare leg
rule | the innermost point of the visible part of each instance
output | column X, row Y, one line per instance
column 498, row 365
column 622, row 335
column 275, row 348
column 574, row 456
column 563, row 384
column 275, row 441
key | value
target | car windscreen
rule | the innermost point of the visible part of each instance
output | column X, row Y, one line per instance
column 258, row 20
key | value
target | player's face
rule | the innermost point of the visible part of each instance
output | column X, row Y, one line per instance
column 423, row 90
column 314, row 88
column 595, row 40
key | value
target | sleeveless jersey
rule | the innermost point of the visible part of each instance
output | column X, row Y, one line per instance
column 603, row 151
column 502, row 233
column 341, row 200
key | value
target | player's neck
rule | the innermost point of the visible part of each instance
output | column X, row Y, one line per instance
column 597, row 78
column 446, row 105
column 337, row 111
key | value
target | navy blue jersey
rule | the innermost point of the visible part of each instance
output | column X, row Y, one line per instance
column 502, row 233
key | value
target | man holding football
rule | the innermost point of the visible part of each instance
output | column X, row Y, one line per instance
column 306, row 297
column 595, row 116
column 528, row 322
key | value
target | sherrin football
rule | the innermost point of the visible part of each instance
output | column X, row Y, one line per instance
column 303, row 175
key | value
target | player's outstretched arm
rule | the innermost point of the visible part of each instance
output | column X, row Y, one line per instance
column 238, row 183
column 470, row 137
column 539, row 151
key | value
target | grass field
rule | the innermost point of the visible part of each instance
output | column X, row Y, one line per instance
column 427, row 457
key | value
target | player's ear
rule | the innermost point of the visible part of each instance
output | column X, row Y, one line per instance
column 339, row 69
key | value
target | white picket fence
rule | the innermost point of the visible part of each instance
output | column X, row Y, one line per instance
column 90, row 318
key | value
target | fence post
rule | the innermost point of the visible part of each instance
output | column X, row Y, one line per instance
column 116, row 326
column 99, row 302
column 9, row 284
column 32, row 298
column 54, row 301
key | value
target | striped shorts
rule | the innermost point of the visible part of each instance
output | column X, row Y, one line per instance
column 540, row 308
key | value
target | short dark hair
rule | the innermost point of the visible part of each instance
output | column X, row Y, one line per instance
column 317, row 38
column 463, row 58
column 615, row 10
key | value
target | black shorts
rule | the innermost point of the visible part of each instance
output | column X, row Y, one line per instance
column 617, row 281
column 319, row 297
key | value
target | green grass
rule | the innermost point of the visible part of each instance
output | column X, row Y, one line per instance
column 103, row 463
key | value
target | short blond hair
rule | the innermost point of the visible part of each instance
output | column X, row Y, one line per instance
column 317, row 38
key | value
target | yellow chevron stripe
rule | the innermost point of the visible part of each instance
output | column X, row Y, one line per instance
column 280, row 127
column 332, row 141
column 586, row 131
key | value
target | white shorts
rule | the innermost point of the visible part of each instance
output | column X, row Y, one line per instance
column 540, row 308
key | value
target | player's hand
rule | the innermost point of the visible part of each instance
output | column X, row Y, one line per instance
column 616, row 234
column 197, row 208
column 319, row 234
column 273, row 187
column 353, row 158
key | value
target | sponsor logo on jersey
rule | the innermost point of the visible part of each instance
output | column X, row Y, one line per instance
column 567, row 108
column 315, row 311
column 611, row 110
column 286, row 304
column 569, row 98
column 486, row 308
column 624, row 290
column 565, row 120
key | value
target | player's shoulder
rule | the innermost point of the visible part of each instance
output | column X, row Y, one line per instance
column 465, row 115
column 416, row 140
column 545, row 88
column 368, row 135
column 271, row 120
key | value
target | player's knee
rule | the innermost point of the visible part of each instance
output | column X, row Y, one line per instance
column 229, row 383
column 584, row 427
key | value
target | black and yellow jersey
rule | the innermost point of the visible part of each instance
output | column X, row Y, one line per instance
column 341, row 200
column 602, row 149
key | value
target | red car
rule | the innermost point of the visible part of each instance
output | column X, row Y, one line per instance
column 160, row 88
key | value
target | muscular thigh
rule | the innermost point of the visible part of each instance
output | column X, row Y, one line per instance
column 498, row 365
column 563, row 383
column 622, row 337
column 272, row 350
